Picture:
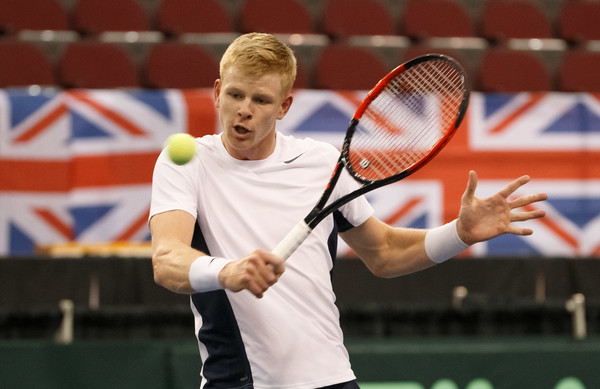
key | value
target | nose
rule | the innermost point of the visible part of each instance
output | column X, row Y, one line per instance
column 245, row 109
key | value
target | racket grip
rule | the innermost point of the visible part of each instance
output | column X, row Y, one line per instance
column 292, row 240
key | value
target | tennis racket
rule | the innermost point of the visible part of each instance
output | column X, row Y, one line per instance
column 403, row 122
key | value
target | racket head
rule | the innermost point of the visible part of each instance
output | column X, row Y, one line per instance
column 406, row 119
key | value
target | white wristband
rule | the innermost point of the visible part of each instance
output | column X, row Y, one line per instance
column 204, row 273
column 443, row 243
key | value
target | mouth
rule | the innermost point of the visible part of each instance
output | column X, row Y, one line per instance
column 241, row 130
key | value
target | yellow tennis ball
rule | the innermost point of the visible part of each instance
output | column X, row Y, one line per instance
column 181, row 148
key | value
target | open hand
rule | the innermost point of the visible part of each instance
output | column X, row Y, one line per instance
column 484, row 219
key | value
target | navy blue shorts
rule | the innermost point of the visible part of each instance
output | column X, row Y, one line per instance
column 345, row 385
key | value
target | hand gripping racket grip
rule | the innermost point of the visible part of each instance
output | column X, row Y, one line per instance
column 292, row 240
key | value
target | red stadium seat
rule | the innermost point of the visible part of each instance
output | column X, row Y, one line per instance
column 180, row 65
column 348, row 68
column 275, row 16
column 505, row 19
column 17, row 15
column 579, row 71
column 436, row 18
column 97, row 16
column 302, row 78
column 513, row 71
column 342, row 18
column 176, row 17
column 90, row 64
column 23, row 64
column 579, row 20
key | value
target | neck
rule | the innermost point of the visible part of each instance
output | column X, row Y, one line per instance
column 256, row 153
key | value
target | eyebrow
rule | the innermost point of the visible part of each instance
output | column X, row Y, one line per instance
column 264, row 96
column 230, row 89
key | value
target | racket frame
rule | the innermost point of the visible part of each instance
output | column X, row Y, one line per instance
column 320, row 211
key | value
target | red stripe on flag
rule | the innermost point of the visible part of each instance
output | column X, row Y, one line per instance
column 596, row 96
column 552, row 225
column 107, row 170
column 89, row 171
column 34, row 176
column 111, row 115
column 142, row 221
column 351, row 97
column 402, row 211
column 55, row 222
column 42, row 124
column 534, row 98
column 201, row 112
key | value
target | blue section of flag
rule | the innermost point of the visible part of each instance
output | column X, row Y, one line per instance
column 83, row 128
column 23, row 106
column 419, row 222
column 590, row 121
column 510, row 245
column 155, row 100
column 569, row 122
column 328, row 118
column 84, row 217
column 495, row 101
column 19, row 242
column 579, row 119
column 416, row 103
column 581, row 211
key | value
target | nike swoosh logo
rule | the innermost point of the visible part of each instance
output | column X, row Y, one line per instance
column 293, row 159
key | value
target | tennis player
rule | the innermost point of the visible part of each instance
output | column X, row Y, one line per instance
column 214, row 220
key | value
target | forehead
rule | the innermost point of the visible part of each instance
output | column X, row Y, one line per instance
column 264, row 82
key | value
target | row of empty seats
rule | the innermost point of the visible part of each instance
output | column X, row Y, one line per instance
column 577, row 20
column 177, row 43
column 95, row 64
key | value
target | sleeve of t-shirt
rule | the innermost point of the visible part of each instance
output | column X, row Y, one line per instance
column 173, row 187
column 356, row 211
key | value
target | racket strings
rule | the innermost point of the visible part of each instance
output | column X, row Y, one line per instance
column 428, row 81
column 401, row 126
column 434, row 79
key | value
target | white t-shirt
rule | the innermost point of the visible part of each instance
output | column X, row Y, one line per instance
column 290, row 338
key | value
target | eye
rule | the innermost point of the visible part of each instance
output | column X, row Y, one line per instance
column 234, row 95
column 262, row 100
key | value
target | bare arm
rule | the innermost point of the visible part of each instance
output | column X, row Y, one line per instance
column 387, row 251
column 391, row 252
column 172, row 254
column 172, row 257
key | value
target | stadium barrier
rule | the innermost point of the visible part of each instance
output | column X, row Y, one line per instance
column 434, row 363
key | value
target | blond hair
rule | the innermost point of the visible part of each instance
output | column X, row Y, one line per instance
column 256, row 54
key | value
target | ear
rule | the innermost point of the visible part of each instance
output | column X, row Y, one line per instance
column 285, row 106
column 217, row 92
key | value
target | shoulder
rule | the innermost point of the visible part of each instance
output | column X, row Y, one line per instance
column 292, row 146
column 207, row 149
column 209, row 142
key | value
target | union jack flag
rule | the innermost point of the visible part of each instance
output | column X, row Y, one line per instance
column 77, row 165
column 553, row 137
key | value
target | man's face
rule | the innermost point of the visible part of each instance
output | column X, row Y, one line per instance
column 248, row 110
